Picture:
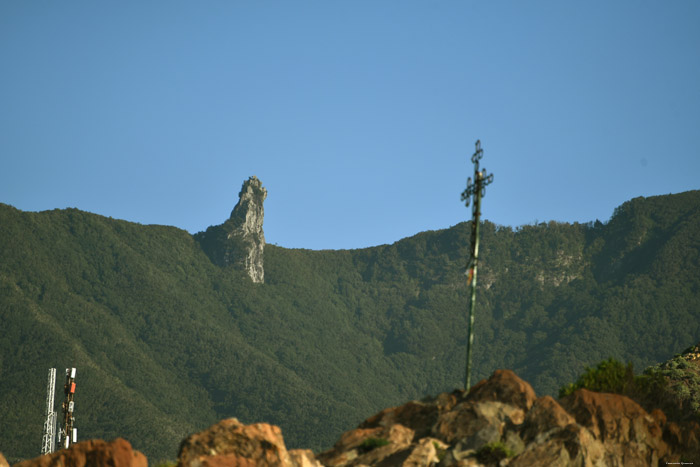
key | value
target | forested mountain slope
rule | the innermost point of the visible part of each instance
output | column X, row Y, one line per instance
column 166, row 342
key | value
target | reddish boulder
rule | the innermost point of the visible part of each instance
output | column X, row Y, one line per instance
column 545, row 415
column 504, row 386
column 230, row 443
column 568, row 445
column 367, row 446
column 608, row 416
column 418, row 416
column 304, row 458
column 477, row 423
column 684, row 439
column 225, row 460
column 659, row 416
column 425, row 452
column 489, row 408
column 627, row 430
column 95, row 452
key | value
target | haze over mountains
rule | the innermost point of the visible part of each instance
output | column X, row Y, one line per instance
column 167, row 341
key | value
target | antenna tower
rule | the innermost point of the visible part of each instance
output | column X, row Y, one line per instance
column 477, row 189
column 48, row 442
column 68, row 433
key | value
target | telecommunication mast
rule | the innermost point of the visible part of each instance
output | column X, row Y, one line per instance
column 48, row 442
column 68, row 434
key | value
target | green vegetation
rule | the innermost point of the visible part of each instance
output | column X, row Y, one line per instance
column 439, row 450
column 680, row 397
column 167, row 343
column 371, row 443
column 493, row 453
column 673, row 386
column 612, row 376
column 608, row 376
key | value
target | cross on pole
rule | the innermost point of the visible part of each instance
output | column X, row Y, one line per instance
column 477, row 189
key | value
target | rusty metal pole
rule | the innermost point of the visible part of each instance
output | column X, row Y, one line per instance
column 477, row 190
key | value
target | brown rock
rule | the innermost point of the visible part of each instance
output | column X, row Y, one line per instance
column 673, row 435
column 627, row 430
column 3, row 461
column 477, row 423
column 608, row 416
column 225, row 460
column 683, row 440
column 426, row 452
column 230, row 443
column 571, row 445
column 546, row 414
column 418, row 416
column 117, row 453
column 354, row 448
column 504, row 386
column 466, row 462
column 304, row 458
column 446, row 401
column 691, row 441
column 659, row 416
column 354, row 438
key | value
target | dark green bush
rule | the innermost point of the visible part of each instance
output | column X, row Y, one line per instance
column 608, row 376
column 372, row 443
column 493, row 452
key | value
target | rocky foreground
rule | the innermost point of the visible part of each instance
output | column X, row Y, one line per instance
column 500, row 421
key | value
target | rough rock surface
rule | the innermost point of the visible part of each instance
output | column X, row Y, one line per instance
column 231, row 443
column 240, row 241
column 621, row 424
column 97, row 453
column 360, row 447
column 500, row 421
column 245, row 226
column 304, row 458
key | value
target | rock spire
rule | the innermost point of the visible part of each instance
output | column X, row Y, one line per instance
column 240, row 241
column 245, row 230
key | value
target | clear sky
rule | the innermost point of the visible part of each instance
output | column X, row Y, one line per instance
column 359, row 117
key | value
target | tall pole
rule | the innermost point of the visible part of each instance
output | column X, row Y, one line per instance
column 477, row 190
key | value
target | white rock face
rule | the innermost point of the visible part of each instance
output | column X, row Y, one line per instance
column 245, row 238
column 239, row 242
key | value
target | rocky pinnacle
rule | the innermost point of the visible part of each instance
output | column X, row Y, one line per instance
column 244, row 228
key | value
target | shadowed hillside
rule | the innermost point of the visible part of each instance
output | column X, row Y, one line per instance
column 166, row 342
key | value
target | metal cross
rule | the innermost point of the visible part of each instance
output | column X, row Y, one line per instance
column 477, row 189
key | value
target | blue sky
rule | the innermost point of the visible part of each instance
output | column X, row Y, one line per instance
column 359, row 117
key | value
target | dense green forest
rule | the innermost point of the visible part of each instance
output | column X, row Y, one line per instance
column 166, row 343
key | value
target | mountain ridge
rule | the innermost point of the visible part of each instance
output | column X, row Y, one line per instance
column 159, row 332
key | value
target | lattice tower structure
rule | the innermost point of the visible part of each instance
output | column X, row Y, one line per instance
column 48, row 442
